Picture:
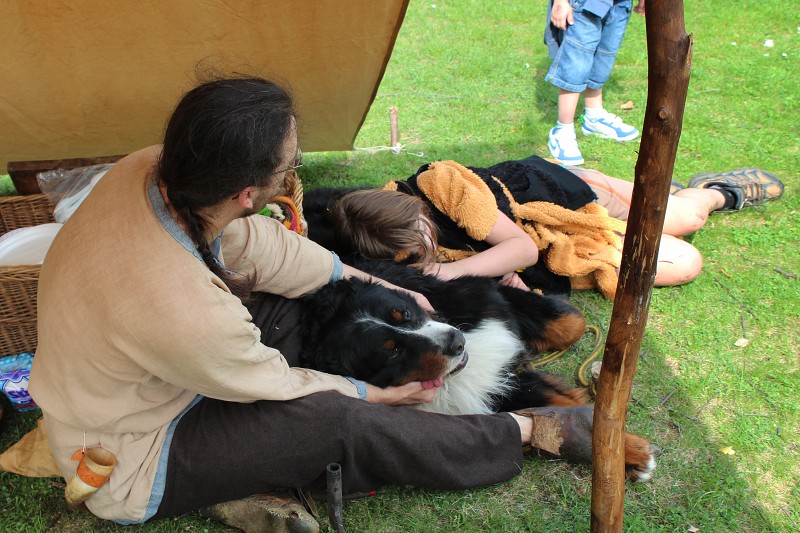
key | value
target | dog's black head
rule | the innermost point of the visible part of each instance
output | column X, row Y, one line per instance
column 381, row 336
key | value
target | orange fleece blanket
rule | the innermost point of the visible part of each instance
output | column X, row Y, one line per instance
column 584, row 245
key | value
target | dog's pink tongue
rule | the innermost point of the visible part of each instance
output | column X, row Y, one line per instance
column 432, row 383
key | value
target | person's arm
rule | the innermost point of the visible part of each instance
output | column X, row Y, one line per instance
column 512, row 249
column 561, row 14
column 350, row 272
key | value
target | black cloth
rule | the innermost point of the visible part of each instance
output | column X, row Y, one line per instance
column 224, row 450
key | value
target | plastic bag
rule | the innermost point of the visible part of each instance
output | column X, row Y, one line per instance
column 14, row 373
column 68, row 188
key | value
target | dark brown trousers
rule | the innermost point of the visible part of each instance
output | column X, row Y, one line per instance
column 223, row 450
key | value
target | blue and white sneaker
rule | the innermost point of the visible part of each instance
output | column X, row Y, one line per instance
column 564, row 146
column 608, row 126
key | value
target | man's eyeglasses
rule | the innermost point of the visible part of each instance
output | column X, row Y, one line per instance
column 297, row 163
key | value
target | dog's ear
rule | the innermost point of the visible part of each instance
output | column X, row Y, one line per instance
column 330, row 302
column 323, row 329
column 319, row 309
column 322, row 307
column 329, row 358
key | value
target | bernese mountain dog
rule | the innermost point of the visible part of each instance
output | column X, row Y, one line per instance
column 471, row 347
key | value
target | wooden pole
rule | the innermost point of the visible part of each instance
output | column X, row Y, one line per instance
column 394, row 139
column 669, row 63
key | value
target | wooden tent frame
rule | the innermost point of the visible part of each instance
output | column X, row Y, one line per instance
column 669, row 65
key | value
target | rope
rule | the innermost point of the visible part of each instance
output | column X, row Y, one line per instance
column 396, row 150
column 583, row 376
column 584, row 371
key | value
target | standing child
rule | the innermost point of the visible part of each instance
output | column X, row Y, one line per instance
column 583, row 37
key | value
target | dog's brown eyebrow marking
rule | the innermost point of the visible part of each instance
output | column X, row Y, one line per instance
column 389, row 345
column 397, row 315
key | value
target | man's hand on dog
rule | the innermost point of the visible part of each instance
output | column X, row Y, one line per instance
column 413, row 393
column 350, row 272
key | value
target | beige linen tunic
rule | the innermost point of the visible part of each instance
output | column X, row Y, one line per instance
column 133, row 326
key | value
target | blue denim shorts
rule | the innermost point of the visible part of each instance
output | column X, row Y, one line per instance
column 589, row 47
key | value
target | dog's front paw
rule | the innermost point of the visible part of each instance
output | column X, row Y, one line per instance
column 639, row 458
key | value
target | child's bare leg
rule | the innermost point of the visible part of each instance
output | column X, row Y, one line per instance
column 678, row 262
column 567, row 104
column 593, row 98
column 687, row 210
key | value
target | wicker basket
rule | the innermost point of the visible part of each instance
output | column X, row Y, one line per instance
column 18, row 284
column 23, row 211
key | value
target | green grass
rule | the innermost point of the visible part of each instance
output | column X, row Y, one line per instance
column 467, row 78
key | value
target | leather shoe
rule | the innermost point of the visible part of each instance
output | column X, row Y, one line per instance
column 276, row 512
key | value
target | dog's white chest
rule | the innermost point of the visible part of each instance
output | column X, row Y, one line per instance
column 492, row 350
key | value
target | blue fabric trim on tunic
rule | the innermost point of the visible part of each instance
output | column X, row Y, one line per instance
column 338, row 268
column 361, row 387
column 157, row 494
column 172, row 227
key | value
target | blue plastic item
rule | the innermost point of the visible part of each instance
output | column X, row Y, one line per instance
column 14, row 373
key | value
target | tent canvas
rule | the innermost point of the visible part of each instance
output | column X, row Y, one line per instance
column 91, row 78
column 88, row 78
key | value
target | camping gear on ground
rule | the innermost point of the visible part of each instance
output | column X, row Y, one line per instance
column 14, row 373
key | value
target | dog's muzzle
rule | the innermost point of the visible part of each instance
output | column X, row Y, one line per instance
column 460, row 366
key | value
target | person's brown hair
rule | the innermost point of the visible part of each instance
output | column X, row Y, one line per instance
column 223, row 136
column 383, row 224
